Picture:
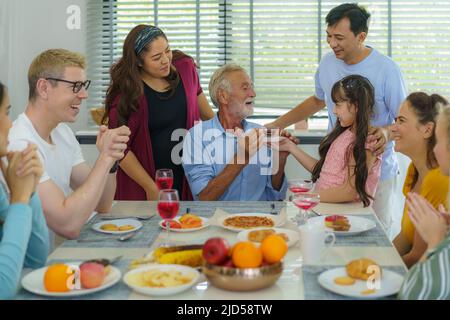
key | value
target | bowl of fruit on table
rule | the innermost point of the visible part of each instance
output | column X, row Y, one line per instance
column 244, row 266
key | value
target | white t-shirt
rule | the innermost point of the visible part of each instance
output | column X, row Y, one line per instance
column 57, row 158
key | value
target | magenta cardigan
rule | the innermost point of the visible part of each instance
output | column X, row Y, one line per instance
column 140, row 142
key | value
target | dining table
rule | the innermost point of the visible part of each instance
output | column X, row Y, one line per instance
column 298, row 281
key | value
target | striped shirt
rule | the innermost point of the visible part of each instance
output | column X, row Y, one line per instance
column 429, row 280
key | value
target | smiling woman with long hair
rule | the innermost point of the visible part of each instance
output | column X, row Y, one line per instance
column 24, row 239
column 414, row 136
column 154, row 91
column 428, row 279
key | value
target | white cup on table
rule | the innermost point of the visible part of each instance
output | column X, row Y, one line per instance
column 313, row 242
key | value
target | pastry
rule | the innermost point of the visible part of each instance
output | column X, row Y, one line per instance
column 259, row 235
column 284, row 236
column 359, row 269
column 247, row 222
column 344, row 281
column 126, row 227
column 337, row 223
column 109, row 227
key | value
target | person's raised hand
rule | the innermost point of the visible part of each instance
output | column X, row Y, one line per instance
column 428, row 221
column 30, row 163
column 379, row 137
column 113, row 142
column 21, row 188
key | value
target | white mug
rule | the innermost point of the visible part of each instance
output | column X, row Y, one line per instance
column 313, row 242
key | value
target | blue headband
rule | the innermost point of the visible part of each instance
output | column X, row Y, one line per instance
column 145, row 36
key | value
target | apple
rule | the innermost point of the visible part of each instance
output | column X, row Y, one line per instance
column 92, row 275
column 215, row 251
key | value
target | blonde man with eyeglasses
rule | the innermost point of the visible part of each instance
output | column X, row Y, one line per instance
column 70, row 190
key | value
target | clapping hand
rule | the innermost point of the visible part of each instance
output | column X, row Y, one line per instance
column 22, row 173
column 113, row 142
column 431, row 224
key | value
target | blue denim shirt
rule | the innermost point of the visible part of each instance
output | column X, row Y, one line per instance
column 207, row 150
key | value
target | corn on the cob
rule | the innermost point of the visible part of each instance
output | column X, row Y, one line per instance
column 192, row 258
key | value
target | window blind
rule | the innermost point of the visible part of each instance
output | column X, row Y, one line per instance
column 280, row 43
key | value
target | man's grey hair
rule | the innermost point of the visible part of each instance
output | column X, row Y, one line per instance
column 219, row 80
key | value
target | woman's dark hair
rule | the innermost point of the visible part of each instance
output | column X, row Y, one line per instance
column 426, row 108
column 356, row 90
column 2, row 92
column 126, row 80
column 358, row 16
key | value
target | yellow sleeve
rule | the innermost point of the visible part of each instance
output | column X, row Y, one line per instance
column 434, row 188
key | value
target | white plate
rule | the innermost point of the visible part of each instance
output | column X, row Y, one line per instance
column 118, row 222
column 34, row 283
column 275, row 218
column 390, row 284
column 185, row 270
column 292, row 235
column 205, row 223
column 357, row 225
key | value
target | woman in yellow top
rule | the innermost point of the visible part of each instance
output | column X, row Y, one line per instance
column 414, row 136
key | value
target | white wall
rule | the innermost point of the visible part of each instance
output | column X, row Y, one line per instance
column 26, row 29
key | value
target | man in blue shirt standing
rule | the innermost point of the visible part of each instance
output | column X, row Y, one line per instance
column 225, row 158
column 346, row 32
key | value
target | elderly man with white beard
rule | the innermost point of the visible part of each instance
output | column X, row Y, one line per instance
column 226, row 158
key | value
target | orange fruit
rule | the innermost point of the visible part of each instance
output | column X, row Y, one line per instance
column 57, row 278
column 246, row 255
column 273, row 248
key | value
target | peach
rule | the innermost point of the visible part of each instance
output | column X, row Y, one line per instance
column 92, row 275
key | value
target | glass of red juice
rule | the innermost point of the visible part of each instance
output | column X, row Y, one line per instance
column 168, row 206
column 300, row 185
column 305, row 201
column 164, row 178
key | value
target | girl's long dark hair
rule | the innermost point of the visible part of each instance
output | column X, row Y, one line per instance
column 356, row 90
column 426, row 108
column 126, row 80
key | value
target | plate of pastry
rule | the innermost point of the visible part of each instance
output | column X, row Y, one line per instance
column 363, row 279
column 118, row 226
column 246, row 221
column 186, row 223
column 345, row 225
column 259, row 234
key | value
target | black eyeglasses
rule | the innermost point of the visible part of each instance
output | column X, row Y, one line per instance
column 76, row 85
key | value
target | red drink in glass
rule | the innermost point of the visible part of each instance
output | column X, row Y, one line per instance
column 164, row 182
column 168, row 209
column 305, row 204
column 299, row 189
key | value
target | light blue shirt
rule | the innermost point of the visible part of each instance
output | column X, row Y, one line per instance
column 390, row 92
column 24, row 241
column 208, row 148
